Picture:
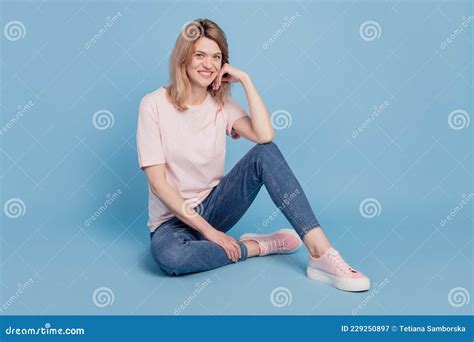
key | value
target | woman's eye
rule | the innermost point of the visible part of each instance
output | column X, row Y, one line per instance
column 217, row 57
column 199, row 55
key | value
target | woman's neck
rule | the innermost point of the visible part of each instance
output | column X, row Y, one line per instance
column 197, row 96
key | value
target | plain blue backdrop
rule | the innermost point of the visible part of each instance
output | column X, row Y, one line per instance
column 412, row 161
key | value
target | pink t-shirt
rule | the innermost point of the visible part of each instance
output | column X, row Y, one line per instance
column 191, row 144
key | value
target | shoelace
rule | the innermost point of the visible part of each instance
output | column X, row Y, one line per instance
column 337, row 259
column 273, row 244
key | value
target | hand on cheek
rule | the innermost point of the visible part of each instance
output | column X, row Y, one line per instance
column 217, row 81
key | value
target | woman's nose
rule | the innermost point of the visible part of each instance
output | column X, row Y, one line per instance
column 207, row 63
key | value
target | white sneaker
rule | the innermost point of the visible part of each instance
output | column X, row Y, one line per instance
column 331, row 268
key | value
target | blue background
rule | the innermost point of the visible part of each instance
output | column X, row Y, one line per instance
column 321, row 71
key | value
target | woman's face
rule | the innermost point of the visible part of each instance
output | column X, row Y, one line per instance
column 205, row 62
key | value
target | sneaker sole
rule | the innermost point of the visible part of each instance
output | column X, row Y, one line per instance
column 351, row 285
column 284, row 230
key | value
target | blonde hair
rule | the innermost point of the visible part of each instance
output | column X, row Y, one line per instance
column 180, row 86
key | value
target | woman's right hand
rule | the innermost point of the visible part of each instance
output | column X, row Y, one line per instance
column 227, row 242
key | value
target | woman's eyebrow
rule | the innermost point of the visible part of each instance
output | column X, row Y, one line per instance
column 199, row 51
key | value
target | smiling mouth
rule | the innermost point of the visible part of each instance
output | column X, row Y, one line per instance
column 206, row 74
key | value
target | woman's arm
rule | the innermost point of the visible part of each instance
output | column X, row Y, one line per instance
column 259, row 120
column 258, row 128
column 178, row 206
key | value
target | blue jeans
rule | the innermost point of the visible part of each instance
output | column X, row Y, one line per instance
column 179, row 249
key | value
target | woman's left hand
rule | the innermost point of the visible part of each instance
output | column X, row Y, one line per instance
column 228, row 73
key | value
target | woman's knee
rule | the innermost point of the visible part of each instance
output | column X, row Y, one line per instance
column 267, row 152
column 171, row 259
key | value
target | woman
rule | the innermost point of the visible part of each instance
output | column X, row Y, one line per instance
column 181, row 147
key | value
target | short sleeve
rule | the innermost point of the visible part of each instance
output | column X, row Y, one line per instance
column 149, row 144
column 233, row 112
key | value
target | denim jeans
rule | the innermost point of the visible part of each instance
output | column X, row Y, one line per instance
column 179, row 249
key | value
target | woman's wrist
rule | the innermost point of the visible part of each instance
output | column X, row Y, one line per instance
column 245, row 79
column 202, row 226
column 207, row 232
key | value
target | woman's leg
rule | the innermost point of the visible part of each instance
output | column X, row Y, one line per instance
column 185, row 250
column 265, row 165
column 178, row 249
